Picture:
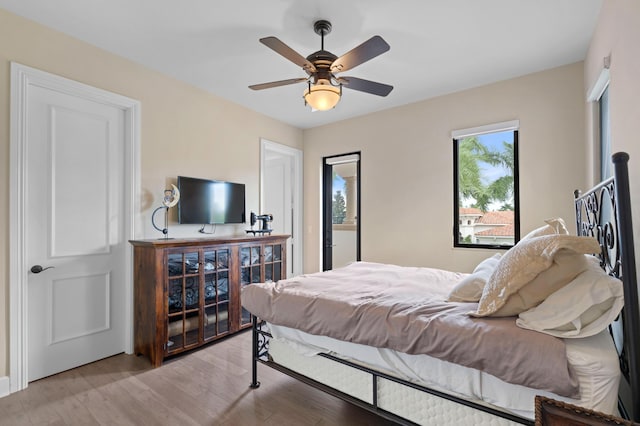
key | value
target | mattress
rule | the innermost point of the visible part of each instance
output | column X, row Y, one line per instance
column 593, row 359
column 419, row 407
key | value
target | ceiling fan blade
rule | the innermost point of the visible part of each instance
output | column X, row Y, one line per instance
column 277, row 83
column 367, row 86
column 284, row 50
column 368, row 50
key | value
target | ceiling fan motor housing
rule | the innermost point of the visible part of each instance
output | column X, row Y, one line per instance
column 322, row 60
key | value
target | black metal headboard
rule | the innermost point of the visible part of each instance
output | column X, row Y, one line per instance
column 604, row 212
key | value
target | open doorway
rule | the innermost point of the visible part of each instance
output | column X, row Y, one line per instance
column 341, row 210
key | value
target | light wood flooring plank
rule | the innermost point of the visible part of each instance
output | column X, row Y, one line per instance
column 209, row 386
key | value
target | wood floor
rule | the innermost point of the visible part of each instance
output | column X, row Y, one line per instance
column 204, row 387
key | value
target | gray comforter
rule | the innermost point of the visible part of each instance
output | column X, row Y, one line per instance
column 403, row 308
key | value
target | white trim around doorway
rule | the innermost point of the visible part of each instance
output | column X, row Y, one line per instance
column 21, row 78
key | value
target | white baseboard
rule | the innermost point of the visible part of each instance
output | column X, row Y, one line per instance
column 5, row 386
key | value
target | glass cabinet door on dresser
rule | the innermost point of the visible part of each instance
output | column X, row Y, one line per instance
column 216, row 292
column 260, row 263
column 197, row 297
column 273, row 270
column 183, row 300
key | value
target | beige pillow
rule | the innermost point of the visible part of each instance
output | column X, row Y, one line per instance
column 554, row 225
column 471, row 286
column 565, row 267
column 523, row 262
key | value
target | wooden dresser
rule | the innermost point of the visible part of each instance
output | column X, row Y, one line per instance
column 550, row 412
column 187, row 291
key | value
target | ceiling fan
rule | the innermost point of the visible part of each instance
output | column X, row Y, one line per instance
column 324, row 88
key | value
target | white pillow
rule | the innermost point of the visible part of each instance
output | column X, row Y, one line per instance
column 471, row 286
column 523, row 262
column 553, row 225
column 582, row 308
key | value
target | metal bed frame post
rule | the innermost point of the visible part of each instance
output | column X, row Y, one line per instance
column 617, row 257
column 631, row 314
column 254, row 353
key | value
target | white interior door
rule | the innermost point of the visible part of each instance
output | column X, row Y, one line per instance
column 277, row 174
column 281, row 181
column 75, row 226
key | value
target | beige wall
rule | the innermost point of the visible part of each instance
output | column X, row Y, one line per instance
column 618, row 35
column 185, row 131
column 407, row 165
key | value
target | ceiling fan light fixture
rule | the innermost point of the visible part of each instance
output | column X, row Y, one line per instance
column 322, row 96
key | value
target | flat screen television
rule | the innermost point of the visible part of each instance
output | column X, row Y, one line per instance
column 204, row 201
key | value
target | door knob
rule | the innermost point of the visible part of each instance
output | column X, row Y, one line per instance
column 36, row 269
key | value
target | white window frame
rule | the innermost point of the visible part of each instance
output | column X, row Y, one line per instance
column 602, row 146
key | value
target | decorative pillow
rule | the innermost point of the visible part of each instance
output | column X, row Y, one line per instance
column 554, row 225
column 523, row 262
column 470, row 288
column 582, row 308
column 565, row 267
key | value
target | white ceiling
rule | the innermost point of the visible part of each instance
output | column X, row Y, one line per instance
column 437, row 46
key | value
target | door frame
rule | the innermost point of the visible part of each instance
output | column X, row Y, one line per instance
column 21, row 78
column 327, row 208
column 267, row 146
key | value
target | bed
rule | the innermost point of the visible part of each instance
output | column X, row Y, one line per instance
column 547, row 319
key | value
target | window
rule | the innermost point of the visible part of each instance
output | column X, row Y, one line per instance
column 486, row 186
column 605, row 135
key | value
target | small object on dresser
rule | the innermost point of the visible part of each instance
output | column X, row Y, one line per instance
column 264, row 228
column 170, row 199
